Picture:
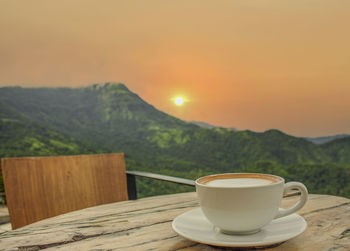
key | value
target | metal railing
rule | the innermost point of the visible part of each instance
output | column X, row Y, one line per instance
column 2, row 198
column 131, row 181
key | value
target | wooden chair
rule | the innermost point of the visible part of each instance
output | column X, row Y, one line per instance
column 42, row 187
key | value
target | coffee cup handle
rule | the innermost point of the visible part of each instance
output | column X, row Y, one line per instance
column 303, row 198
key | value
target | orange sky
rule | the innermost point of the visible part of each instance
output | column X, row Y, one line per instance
column 254, row 64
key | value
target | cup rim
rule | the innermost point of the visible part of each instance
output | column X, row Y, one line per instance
column 257, row 175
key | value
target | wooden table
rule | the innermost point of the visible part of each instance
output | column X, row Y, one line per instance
column 145, row 224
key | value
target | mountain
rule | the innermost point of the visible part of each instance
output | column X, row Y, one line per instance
column 106, row 114
column 325, row 139
column 26, row 138
column 22, row 136
column 111, row 118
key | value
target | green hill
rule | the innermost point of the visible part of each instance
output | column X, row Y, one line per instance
column 110, row 118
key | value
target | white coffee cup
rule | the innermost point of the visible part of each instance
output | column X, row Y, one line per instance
column 242, row 203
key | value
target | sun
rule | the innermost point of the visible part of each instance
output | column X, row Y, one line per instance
column 179, row 101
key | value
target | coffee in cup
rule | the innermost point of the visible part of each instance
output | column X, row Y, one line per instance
column 242, row 203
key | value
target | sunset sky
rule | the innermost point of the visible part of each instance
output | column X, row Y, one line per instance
column 248, row 64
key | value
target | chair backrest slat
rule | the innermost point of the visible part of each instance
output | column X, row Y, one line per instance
column 41, row 187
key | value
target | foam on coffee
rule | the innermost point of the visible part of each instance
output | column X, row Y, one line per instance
column 239, row 182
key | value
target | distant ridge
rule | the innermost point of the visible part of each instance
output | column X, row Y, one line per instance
column 207, row 125
column 325, row 139
column 315, row 140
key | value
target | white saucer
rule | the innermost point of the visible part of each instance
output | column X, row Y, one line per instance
column 194, row 226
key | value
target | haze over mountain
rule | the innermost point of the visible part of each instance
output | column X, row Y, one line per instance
column 207, row 125
column 110, row 118
column 325, row 139
column 315, row 140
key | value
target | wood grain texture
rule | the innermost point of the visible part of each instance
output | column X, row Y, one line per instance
column 145, row 224
column 41, row 187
